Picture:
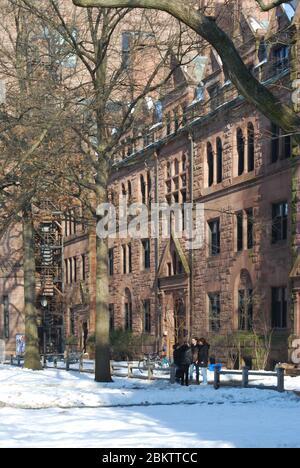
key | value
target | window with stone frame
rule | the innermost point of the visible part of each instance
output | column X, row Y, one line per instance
column 214, row 237
column 281, row 144
column 147, row 316
column 279, row 222
column 177, row 180
column 245, row 309
column 146, row 246
column 6, row 318
column 279, row 307
column 240, row 141
column 128, row 311
column 111, row 262
column 214, row 300
column 210, row 164
column 219, row 154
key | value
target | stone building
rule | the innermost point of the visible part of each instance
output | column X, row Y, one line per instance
column 205, row 145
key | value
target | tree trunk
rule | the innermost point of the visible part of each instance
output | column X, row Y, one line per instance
column 102, row 365
column 32, row 355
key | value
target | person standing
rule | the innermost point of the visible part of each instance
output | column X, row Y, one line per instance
column 203, row 358
column 195, row 358
column 184, row 362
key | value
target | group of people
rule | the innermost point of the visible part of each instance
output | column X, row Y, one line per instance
column 189, row 359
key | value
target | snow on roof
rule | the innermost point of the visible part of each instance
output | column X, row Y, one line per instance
column 289, row 8
column 256, row 24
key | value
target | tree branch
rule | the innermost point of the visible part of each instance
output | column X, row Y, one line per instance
column 272, row 5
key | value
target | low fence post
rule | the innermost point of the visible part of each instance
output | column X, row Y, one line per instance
column 81, row 363
column 11, row 360
column 45, row 362
column 217, row 378
column 19, row 361
column 130, row 371
column 150, row 372
column 173, row 374
column 67, row 362
column 55, row 363
column 245, row 381
column 280, row 379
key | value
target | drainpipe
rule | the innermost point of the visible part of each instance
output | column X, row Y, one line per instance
column 158, row 331
column 191, row 251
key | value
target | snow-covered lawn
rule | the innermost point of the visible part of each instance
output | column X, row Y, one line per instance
column 54, row 408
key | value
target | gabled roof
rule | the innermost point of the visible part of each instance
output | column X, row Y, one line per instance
column 167, row 253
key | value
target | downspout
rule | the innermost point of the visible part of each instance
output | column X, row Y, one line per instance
column 158, row 331
column 191, row 251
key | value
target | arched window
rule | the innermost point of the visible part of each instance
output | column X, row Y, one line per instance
column 219, row 161
column 210, row 164
column 128, row 310
column 149, row 187
column 250, row 147
column 241, row 151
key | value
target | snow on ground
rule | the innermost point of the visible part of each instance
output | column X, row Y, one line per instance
column 74, row 411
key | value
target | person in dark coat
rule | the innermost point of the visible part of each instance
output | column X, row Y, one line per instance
column 203, row 358
column 184, row 361
column 176, row 354
column 195, row 359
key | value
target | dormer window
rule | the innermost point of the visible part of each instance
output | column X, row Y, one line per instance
column 281, row 58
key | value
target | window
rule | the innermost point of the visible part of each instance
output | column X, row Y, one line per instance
column 250, row 147
column 279, row 222
column 129, row 258
column 6, row 330
column 176, row 167
column 75, row 269
column 246, row 309
column 279, row 308
column 67, row 271
column 241, row 151
column 287, row 150
column 146, row 254
column 158, row 112
column 147, row 316
column 124, row 252
column 219, row 161
column 83, row 267
column 210, row 164
column 200, row 93
column 149, row 188
column 126, row 46
column 275, row 143
column 176, row 119
column 214, row 312
column 111, row 254
column 143, row 190
column 281, row 58
column 240, row 231
column 71, row 270
column 72, row 323
column 128, row 311
column 250, row 225
column 168, row 123
column 214, row 240
column 111, row 309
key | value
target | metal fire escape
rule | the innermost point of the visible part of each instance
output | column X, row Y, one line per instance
column 49, row 271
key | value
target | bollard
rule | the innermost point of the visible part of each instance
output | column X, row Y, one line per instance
column 11, row 360
column 245, row 381
column 19, row 361
column 81, row 363
column 217, row 378
column 55, row 363
column 45, row 362
column 67, row 363
column 280, row 379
